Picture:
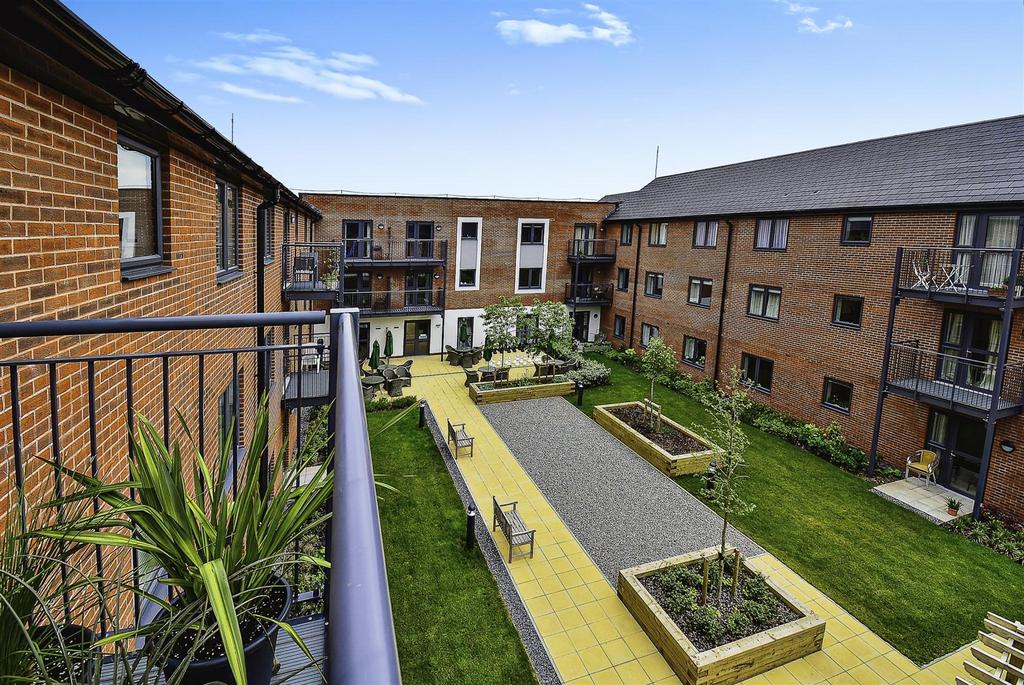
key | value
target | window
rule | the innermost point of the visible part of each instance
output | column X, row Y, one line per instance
column 648, row 333
column 139, row 210
column 654, row 284
column 227, row 408
column 626, row 234
column 695, row 351
column 764, row 302
column 288, row 224
column 705, row 234
column 848, row 311
column 529, row 279
column 467, row 278
column 772, row 234
column 857, row 230
column 700, row 292
column 464, row 329
column 623, row 280
column 227, row 226
column 837, row 395
column 619, row 329
column 757, row 372
column 658, row 235
column 469, row 230
column 268, row 234
column 467, row 252
column 531, row 234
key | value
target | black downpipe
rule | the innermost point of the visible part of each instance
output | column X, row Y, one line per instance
column 636, row 281
column 721, row 307
column 263, row 358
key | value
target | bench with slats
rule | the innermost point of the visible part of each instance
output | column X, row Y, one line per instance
column 457, row 434
column 512, row 525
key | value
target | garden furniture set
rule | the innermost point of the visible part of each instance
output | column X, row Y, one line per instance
column 390, row 377
column 465, row 357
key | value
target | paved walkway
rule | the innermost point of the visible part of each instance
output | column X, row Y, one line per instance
column 588, row 632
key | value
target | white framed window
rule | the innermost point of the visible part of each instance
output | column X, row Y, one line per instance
column 532, row 237
column 772, row 234
column 468, row 234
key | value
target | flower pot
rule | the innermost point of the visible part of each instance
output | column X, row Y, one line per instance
column 78, row 641
column 259, row 656
column 953, row 512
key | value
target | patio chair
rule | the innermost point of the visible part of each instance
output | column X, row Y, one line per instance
column 471, row 376
column 395, row 386
column 501, row 374
column 923, row 277
column 477, row 354
column 454, row 357
column 924, row 463
column 404, row 374
column 467, row 360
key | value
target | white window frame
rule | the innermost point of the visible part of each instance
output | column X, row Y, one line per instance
column 479, row 220
column 519, row 247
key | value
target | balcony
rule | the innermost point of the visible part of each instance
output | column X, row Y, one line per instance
column 395, row 252
column 383, row 302
column 306, row 376
column 77, row 401
column 589, row 293
column 955, row 383
column 592, row 250
column 971, row 276
column 311, row 271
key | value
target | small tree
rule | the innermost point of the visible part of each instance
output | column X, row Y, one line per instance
column 500, row 321
column 726, row 431
column 656, row 363
column 553, row 328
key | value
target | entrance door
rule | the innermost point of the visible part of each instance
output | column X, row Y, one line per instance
column 581, row 326
column 419, row 240
column 464, row 335
column 971, row 341
column 417, row 337
column 960, row 442
column 357, row 239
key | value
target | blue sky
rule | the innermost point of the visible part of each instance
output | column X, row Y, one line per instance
column 564, row 99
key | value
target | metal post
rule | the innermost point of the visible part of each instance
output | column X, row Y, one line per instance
column 886, row 354
column 423, row 413
column 579, row 393
column 470, row 526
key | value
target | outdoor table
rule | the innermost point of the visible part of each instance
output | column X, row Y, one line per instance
column 373, row 382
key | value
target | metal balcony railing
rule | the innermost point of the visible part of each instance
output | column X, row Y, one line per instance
column 592, row 249
column 955, row 381
column 66, row 412
column 396, row 301
column 968, row 273
column 589, row 293
column 396, row 250
column 312, row 270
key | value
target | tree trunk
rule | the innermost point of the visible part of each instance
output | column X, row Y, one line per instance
column 650, row 398
column 721, row 554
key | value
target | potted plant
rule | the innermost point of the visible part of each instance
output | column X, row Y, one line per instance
column 953, row 506
column 221, row 540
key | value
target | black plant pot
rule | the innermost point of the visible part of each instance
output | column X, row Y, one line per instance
column 259, row 656
column 78, row 641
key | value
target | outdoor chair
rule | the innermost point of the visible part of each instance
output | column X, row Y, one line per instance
column 404, row 374
column 924, row 463
column 454, row 357
column 477, row 354
column 501, row 374
column 395, row 386
column 368, row 392
column 467, row 360
column 923, row 278
column 304, row 269
column 471, row 376
column 486, row 376
column 956, row 276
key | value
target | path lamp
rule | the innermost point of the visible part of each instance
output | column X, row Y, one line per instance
column 579, row 393
column 470, row 526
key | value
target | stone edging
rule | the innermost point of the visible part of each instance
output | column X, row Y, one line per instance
column 543, row 667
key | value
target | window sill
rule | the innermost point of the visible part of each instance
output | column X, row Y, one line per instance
column 838, row 410
column 855, row 243
column 227, row 276
column 657, row 244
column 653, row 297
column 705, row 247
column 140, row 272
column 695, row 365
column 267, row 261
column 762, row 318
column 622, row 290
column 847, row 326
column 698, row 304
column 769, row 249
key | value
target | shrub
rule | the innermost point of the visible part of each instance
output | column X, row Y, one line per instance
column 760, row 613
column 706, row 620
column 738, row 623
column 681, row 599
column 591, row 373
column 994, row 533
column 387, row 403
column 756, row 588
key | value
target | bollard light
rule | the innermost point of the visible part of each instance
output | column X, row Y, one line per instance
column 423, row 413
column 579, row 393
column 470, row 526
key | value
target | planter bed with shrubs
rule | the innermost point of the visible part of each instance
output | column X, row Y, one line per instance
column 520, row 389
column 674, row 450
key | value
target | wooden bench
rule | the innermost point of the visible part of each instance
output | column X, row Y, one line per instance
column 457, row 434
column 512, row 526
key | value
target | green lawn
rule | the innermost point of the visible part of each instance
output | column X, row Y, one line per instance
column 920, row 587
column 451, row 623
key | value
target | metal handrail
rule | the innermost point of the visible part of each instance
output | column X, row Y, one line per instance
column 592, row 247
column 396, row 249
column 911, row 363
column 360, row 631
column 589, row 291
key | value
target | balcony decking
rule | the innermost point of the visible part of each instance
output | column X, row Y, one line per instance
column 942, row 393
column 307, row 388
column 396, row 252
column 592, row 251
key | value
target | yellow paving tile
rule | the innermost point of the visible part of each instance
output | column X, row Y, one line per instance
column 595, row 659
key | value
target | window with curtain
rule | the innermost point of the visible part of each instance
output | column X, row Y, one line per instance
column 619, row 329
column 658, row 235
column 772, row 234
column 695, row 351
column 654, row 284
column 705, row 234
column 764, row 302
column 699, row 292
column 648, row 333
column 1000, row 237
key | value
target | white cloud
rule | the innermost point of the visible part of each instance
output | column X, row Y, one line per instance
column 498, row 13
column 187, row 76
column 808, row 25
column 256, row 93
column 296, row 66
column 548, row 11
column 608, row 27
column 257, row 36
column 796, row 7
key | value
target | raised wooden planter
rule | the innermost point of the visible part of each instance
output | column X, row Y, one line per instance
column 521, row 392
column 731, row 662
column 670, row 464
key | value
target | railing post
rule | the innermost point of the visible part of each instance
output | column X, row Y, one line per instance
column 886, row 357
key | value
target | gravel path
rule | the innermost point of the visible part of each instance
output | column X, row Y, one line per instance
column 622, row 510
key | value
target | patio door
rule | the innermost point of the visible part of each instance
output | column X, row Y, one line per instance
column 985, row 241
column 357, row 239
column 417, row 289
column 583, row 239
column 357, row 286
column 419, row 240
column 960, row 444
column 364, row 341
column 464, row 332
column 581, row 326
column 971, row 343
column 417, row 337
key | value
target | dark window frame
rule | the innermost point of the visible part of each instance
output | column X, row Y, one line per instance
column 771, row 233
column 268, row 234
column 689, row 287
column 532, row 226
column 843, row 237
column 467, row 285
column 693, row 362
column 615, row 325
column 758, row 362
column 622, row 288
column 643, row 325
column 540, row 278
column 836, row 299
column 626, row 233
column 705, row 246
column 830, row 381
column 229, row 268
column 650, row 233
column 764, row 309
column 647, row 279
column 476, row 231
column 134, row 264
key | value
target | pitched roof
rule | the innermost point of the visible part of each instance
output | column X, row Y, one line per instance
column 971, row 163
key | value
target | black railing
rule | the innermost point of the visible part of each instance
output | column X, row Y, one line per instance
column 592, row 248
column 953, row 380
column 396, row 250
column 962, row 272
column 312, row 269
column 396, row 301
column 589, row 293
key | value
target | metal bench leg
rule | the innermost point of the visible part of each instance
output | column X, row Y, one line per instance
column 531, row 546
